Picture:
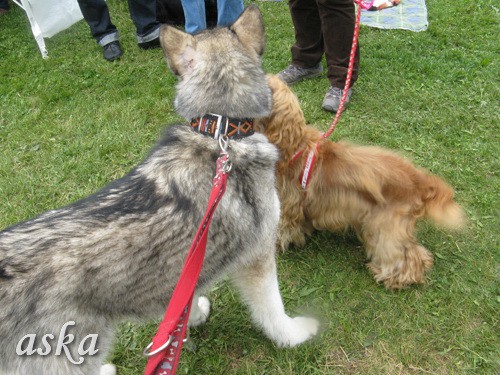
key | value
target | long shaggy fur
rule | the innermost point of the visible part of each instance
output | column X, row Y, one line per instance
column 378, row 193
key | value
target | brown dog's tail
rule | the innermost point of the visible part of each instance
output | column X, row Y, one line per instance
column 440, row 206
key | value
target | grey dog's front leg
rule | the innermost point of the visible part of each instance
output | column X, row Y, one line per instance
column 258, row 286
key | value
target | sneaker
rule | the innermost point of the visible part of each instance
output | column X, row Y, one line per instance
column 294, row 74
column 112, row 51
column 155, row 43
column 331, row 103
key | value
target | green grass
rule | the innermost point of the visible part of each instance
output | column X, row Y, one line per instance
column 73, row 122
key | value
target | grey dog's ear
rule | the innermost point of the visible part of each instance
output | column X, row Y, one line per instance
column 249, row 28
column 179, row 48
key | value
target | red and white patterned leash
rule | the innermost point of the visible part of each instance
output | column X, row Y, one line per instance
column 164, row 350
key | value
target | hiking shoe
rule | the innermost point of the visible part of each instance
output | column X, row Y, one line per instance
column 294, row 74
column 112, row 51
column 331, row 103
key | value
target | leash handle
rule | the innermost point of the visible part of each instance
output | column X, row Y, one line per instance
column 172, row 348
column 165, row 348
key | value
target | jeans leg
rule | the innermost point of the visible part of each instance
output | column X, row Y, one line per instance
column 96, row 14
column 195, row 15
column 4, row 4
column 143, row 13
column 228, row 11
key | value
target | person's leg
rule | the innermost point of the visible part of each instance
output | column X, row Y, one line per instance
column 195, row 15
column 308, row 48
column 337, row 22
column 228, row 11
column 143, row 13
column 96, row 14
column 4, row 6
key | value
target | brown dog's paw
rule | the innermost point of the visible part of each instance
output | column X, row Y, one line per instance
column 403, row 273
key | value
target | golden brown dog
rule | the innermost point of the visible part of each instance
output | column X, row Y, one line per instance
column 376, row 192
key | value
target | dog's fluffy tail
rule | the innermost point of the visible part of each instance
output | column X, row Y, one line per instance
column 440, row 206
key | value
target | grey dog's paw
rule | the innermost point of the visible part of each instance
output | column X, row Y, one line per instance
column 298, row 330
column 199, row 311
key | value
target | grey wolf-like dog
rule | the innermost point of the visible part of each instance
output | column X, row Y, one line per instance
column 117, row 254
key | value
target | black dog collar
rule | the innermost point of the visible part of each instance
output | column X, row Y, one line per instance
column 216, row 126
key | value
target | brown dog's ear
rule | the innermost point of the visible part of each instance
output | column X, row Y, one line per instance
column 179, row 48
column 249, row 28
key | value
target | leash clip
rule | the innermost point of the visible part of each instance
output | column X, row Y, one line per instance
column 227, row 165
column 224, row 143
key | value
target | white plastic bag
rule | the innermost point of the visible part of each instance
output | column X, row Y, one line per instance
column 48, row 17
column 53, row 16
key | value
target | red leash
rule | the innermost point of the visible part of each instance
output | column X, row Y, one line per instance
column 165, row 348
column 311, row 158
